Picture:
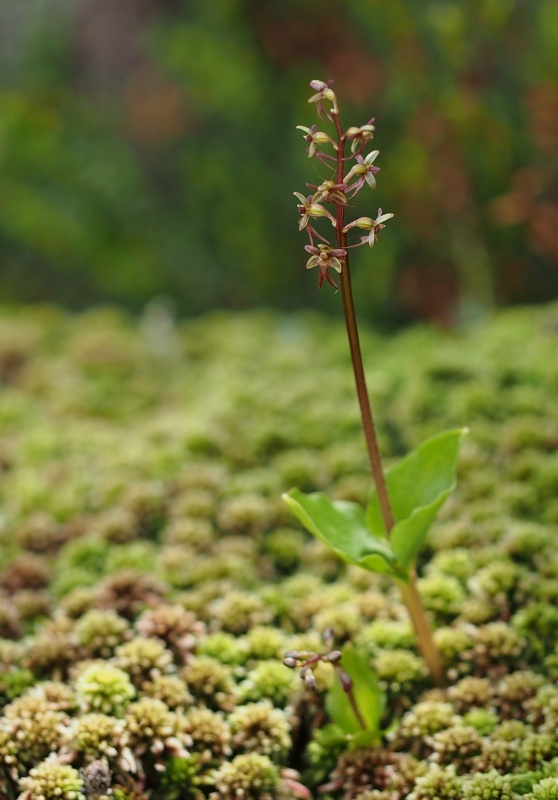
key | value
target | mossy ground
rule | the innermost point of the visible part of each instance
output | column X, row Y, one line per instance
column 151, row 578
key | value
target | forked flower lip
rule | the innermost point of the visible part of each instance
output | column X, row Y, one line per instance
column 326, row 258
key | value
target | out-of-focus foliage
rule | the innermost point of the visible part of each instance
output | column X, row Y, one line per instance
column 150, row 148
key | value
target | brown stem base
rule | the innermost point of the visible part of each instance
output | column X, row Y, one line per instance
column 428, row 649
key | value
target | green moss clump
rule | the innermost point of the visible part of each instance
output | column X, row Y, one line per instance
column 155, row 731
column 437, row 784
column 487, row 786
column 261, row 728
column 209, row 733
column 547, row 789
column 456, row 746
column 471, row 692
column 249, row 775
column 51, row 780
column 98, row 633
column 151, row 580
column 269, row 680
column 105, row 688
column 144, row 659
column 420, row 723
column 210, row 682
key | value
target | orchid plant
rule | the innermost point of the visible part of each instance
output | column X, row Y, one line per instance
column 388, row 534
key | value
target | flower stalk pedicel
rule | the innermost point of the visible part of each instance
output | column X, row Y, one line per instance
column 386, row 536
column 355, row 702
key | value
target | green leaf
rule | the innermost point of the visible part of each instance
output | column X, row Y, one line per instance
column 369, row 697
column 417, row 486
column 363, row 739
column 342, row 526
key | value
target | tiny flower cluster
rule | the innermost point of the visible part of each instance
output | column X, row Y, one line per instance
column 337, row 191
column 307, row 660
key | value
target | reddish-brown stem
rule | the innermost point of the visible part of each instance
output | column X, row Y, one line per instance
column 352, row 700
column 356, row 355
column 411, row 596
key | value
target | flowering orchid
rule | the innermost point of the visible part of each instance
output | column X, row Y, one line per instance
column 365, row 170
column 368, row 224
column 325, row 257
column 329, row 191
column 360, row 136
column 308, row 208
column 314, row 137
column 324, row 92
column 386, row 536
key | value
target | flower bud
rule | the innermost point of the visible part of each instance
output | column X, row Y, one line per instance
column 345, row 680
column 310, row 680
column 334, row 656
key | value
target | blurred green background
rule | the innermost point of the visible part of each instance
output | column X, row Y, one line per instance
column 148, row 148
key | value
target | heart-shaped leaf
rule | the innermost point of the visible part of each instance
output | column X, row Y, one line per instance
column 417, row 485
column 342, row 526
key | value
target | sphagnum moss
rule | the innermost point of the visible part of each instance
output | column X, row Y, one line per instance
column 69, row 610
column 51, row 780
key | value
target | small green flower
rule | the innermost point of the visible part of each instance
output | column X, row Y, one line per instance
column 360, row 136
column 325, row 257
column 329, row 191
column 309, row 209
column 368, row 224
column 364, row 170
column 313, row 137
column 323, row 92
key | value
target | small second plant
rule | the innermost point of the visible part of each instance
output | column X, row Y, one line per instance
column 388, row 534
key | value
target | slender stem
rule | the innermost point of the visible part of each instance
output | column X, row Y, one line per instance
column 356, row 710
column 356, row 355
column 427, row 646
column 409, row 590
